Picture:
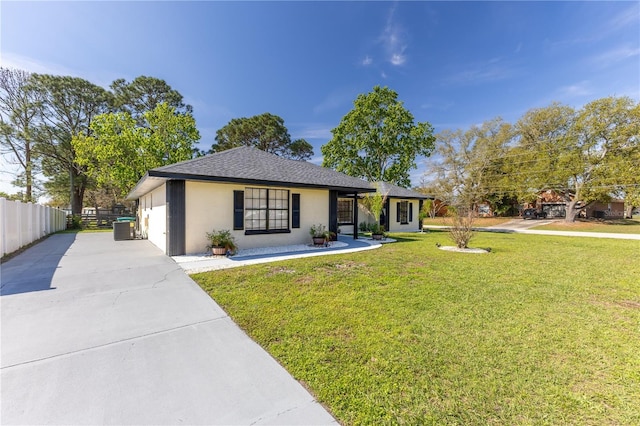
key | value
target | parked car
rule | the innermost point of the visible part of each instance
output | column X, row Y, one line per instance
column 534, row 214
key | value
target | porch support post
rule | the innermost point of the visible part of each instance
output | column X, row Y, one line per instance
column 176, row 220
column 333, row 212
column 355, row 216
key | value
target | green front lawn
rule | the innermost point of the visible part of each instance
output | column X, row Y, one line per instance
column 542, row 330
column 618, row 226
column 479, row 222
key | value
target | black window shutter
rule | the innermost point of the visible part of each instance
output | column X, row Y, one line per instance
column 410, row 212
column 238, row 210
column 295, row 210
column 398, row 211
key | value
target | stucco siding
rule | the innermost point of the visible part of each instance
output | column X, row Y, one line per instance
column 394, row 225
column 210, row 206
column 153, row 216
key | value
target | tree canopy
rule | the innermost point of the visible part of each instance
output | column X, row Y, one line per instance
column 585, row 155
column 378, row 140
column 582, row 155
column 266, row 132
column 144, row 94
column 468, row 167
column 42, row 118
column 119, row 151
column 66, row 107
column 18, row 121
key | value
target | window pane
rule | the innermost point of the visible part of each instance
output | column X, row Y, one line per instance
column 404, row 212
column 266, row 209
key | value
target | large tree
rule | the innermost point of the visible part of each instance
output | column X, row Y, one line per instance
column 144, row 94
column 469, row 166
column 578, row 154
column 119, row 151
column 266, row 132
column 378, row 139
column 18, row 120
column 66, row 108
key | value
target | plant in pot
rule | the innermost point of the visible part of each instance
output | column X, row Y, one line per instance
column 320, row 235
column 373, row 204
column 221, row 242
column 377, row 231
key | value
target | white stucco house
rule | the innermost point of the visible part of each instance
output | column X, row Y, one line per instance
column 264, row 199
column 400, row 212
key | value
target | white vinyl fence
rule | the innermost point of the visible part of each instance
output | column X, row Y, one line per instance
column 21, row 224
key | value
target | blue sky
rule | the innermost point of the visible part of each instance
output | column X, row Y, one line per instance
column 454, row 64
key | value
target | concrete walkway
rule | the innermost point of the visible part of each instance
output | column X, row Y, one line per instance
column 96, row 331
column 521, row 226
column 205, row 262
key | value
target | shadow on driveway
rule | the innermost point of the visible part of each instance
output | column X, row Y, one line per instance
column 33, row 269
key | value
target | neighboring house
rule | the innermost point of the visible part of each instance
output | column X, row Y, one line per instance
column 265, row 200
column 400, row 213
column 611, row 210
column 554, row 206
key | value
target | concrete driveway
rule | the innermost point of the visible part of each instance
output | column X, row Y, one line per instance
column 96, row 331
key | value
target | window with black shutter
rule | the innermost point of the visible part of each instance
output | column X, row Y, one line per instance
column 295, row 210
column 403, row 212
column 238, row 210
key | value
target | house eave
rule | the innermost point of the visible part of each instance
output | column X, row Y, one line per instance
column 155, row 178
column 145, row 185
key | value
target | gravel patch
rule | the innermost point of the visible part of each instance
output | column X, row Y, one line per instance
column 463, row 250
column 263, row 251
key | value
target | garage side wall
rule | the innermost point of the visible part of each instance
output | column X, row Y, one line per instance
column 153, row 216
column 210, row 206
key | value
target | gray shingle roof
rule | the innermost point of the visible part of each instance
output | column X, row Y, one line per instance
column 250, row 165
column 395, row 191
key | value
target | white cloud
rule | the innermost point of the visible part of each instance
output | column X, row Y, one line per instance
column 628, row 16
column 398, row 59
column 334, row 100
column 393, row 39
column 615, row 55
column 438, row 106
column 313, row 132
column 582, row 88
column 368, row 60
column 12, row 60
column 489, row 71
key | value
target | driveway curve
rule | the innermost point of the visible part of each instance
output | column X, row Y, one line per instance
column 96, row 331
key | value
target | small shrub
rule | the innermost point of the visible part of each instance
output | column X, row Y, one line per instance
column 461, row 230
column 76, row 222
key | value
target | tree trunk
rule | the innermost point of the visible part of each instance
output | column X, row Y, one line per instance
column 77, row 187
column 628, row 211
column 571, row 212
column 28, row 173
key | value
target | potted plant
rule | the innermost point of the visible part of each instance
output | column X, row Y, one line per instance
column 221, row 242
column 377, row 231
column 320, row 235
